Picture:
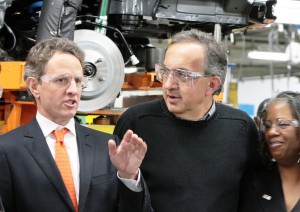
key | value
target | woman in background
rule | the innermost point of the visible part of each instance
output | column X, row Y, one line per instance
column 276, row 188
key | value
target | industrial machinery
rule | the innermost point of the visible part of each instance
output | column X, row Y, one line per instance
column 117, row 34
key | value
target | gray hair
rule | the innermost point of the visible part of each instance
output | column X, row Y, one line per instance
column 216, row 57
column 42, row 52
column 292, row 99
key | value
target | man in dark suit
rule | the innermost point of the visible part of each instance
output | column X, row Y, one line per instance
column 105, row 175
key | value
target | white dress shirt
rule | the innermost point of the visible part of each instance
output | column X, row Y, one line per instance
column 48, row 126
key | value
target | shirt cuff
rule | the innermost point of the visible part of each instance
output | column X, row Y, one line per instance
column 133, row 185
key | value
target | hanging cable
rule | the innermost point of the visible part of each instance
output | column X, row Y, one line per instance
column 133, row 58
column 14, row 40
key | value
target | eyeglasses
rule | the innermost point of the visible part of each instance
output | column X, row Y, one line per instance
column 64, row 80
column 180, row 75
column 281, row 123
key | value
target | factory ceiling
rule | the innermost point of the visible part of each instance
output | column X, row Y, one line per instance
column 266, row 39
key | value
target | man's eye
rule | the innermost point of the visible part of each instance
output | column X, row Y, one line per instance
column 166, row 72
column 62, row 80
column 182, row 75
column 78, row 80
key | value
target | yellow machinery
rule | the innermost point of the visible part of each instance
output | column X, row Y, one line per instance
column 14, row 111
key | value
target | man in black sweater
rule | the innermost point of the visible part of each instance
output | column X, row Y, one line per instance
column 199, row 151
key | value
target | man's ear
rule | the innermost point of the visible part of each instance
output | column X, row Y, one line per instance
column 214, row 84
column 32, row 85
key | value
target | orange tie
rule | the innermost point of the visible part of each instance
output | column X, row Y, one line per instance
column 63, row 164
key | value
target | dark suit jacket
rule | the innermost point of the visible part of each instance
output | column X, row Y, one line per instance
column 30, row 180
column 264, row 193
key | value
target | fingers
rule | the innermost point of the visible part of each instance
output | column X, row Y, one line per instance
column 131, row 137
column 128, row 135
column 128, row 155
column 138, row 146
column 134, row 143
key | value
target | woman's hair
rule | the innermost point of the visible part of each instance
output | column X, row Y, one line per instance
column 261, row 114
column 293, row 100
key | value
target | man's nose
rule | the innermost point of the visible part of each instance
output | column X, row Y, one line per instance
column 170, row 81
column 73, row 86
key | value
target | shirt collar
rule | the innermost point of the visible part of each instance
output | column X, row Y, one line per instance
column 48, row 126
column 210, row 112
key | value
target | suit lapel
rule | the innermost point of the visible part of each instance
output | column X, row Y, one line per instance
column 39, row 150
column 86, row 150
column 269, row 191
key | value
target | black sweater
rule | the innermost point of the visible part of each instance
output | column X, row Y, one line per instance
column 192, row 165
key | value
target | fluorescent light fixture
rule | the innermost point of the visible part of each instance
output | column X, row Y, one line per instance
column 273, row 56
column 292, row 54
column 287, row 12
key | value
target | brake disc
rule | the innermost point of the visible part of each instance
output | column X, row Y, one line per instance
column 104, row 67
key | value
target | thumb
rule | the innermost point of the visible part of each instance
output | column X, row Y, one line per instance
column 112, row 147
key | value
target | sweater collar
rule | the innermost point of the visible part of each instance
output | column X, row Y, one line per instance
column 208, row 116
